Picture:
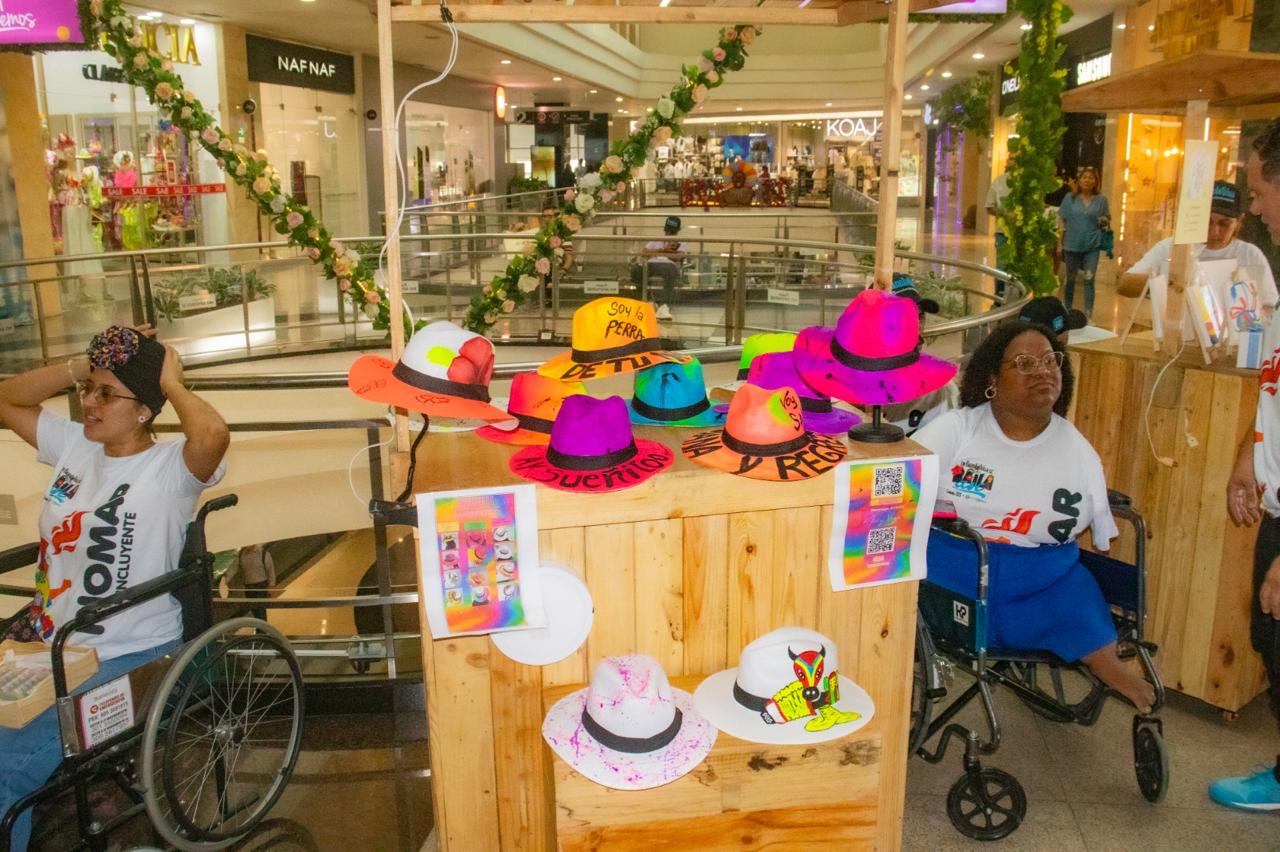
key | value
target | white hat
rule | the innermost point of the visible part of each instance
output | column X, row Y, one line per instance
column 566, row 601
column 629, row 729
column 785, row 691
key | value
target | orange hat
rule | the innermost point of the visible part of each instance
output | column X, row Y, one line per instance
column 612, row 336
column 534, row 403
column 764, row 438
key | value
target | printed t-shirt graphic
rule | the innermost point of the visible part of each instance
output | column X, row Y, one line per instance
column 123, row 523
column 1026, row 493
column 1266, row 449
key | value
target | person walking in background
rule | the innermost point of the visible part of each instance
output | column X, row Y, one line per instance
column 257, row 573
column 1085, row 215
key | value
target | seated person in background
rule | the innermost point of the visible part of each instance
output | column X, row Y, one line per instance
column 1020, row 474
column 1049, row 311
column 1225, row 215
column 737, row 194
column 910, row 416
column 664, row 260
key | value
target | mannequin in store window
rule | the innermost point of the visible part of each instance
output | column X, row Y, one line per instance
column 737, row 194
column 77, row 226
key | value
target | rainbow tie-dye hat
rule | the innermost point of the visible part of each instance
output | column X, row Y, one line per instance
column 674, row 395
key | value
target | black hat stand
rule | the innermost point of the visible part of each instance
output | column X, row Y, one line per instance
column 877, row 431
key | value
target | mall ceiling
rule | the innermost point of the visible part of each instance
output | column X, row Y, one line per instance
column 792, row 68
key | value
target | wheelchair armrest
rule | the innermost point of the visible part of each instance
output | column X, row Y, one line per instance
column 19, row 557
column 954, row 526
column 99, row 611
column 1118, row 498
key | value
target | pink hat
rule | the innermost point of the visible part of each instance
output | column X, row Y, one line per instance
column 872, row 356
column 629, row 729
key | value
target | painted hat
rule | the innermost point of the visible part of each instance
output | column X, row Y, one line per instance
column 629, row 730
column 764, row 438
column 763, row 344
column 674, row 395
column 570, row 612
column 872, row 356
column 592, row 449
column 778, row 370
column 534, row 403
column 445, row 370
column 612, row 336
column 786, row 690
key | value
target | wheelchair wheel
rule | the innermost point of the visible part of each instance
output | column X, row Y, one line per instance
column 986, row 804
column 222, row 735
column 1150, row 762
column 921, row 703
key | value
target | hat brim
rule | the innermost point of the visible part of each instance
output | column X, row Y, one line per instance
column 518, row 437
column 713, row 416
column 370, row 378
column 714, row 698
column 569, row 610
column 819, row 454
column 837, row 421
column 725, row 392
column 826, row 375
column 651, row 458
column 563, row 731
column 563, row 368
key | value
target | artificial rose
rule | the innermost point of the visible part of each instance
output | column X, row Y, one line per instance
column 748, row 35
column 620, row 186
column 261, row 186
column 188, row 95
column 713, row 77
column 240, row 150
column 542, row 265
column 240, row 170
column 662, row 135
column 140, row 61
column 209, row 135
column 491, row 317
column 558, row 252
column 313, row 253
column 500, row 293
column 508, row 306
column 584, row 203
column 313, row 233
column 372, row 297
column 718, row 54
column 612, row 163
column 343, row 267
column 352, row 255
column 371, row 311
column 573, row 223
column 186, row 114
column 166, row 65
column 294, row 219
column 606, row 196
column 135, row 41
column 555, row 242
column 277, row 204
column 569, row 195
column 337, row 248
column 730, row 34
column 486, row 290
column 527, row 283
column 224, row 144
column 95, row 8
column 666, row 106
column 529, row 248
column 154, row 54
column 344, row 284
column 164, row 91
column 705, row 64
column 261, row 155
column 699, row 93
column 589, row 181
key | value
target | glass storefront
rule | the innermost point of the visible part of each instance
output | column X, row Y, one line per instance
column 450, row 151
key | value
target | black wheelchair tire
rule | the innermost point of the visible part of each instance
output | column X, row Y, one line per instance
column 921, row 703
column 979, row 796
column 1150, row 763
column 174, row 689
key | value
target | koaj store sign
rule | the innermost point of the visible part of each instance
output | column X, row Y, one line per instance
column 859, row 129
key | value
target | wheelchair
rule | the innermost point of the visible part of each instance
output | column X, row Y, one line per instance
column 217, row 728
column 951, row 633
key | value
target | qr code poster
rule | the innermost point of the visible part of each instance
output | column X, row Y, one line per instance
column 880, row 525
column 479, row 557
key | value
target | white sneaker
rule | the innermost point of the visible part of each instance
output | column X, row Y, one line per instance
column 664, row 313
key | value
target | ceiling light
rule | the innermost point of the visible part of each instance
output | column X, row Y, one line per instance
column 1025, row 27
column 979, row 55
column 593, row 91
column 924, row 87
column 1151, row 28
column 664, row 3
column 1120, row 26
column 907, row 96
column 620, row 109
column 556, row 79
column 739, row 109
column 828, row 103
column 504, row 62
column 618, row 99
column 946, row 75
column 187, row 21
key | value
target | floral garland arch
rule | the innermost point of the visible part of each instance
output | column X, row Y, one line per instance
column 147, row 69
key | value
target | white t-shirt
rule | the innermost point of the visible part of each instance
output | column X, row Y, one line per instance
column 915, row 415
column 1156, row 262
column 662, row 245
column 996, row 194
column 1266, row 424
column 109, row 524
column 1043, row 491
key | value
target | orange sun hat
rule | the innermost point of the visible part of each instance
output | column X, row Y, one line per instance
column 534, row 404
column 764, row 438
column 612, row 336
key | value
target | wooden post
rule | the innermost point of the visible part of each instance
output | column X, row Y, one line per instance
column 1180, row 263
column 887, row 216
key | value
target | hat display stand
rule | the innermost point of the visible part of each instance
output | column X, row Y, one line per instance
column 876, row 431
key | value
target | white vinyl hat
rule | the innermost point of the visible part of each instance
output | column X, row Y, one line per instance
column 786, row 690
column 566, row 601
column 629, row 730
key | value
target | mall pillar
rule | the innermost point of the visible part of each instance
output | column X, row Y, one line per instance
column 242, row 213
column 27, row 145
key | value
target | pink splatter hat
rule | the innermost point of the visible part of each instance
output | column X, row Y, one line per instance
column 629, row 730
column 872, row 356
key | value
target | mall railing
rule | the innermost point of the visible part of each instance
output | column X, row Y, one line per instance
column 847, row 199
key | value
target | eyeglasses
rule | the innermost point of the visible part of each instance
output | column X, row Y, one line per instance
column 102, row 393
column 1029, row 365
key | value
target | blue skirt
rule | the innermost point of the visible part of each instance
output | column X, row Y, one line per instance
column 1040, row 598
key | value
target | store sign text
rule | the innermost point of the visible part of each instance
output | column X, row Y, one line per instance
column 104, row 73
column 1098, row 68
column 852, row 128
column 294, row 65
column 175, row 42
column 1009, row 85
column 39, row 22
column 288, row 64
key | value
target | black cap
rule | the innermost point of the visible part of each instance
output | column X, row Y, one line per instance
column 1049, row 311
column 134, row 358
column 1226, row 199
column 905, row 287
column 672, row 225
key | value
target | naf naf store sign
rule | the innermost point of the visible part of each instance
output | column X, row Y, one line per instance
column 288, row 64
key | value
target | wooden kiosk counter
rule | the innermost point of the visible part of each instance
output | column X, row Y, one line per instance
column 688, row 567
column 1199, row 565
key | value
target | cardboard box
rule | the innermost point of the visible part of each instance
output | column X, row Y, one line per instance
column 16, row 714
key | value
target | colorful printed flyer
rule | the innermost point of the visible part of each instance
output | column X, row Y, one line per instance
column 880, row 526
column 479, row 555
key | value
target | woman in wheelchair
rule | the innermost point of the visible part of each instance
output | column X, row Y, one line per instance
column 114, row 515
column 1023, row 476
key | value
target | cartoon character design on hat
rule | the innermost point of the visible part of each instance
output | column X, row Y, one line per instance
column 630, row 729
column 612, row 336
column 674, row 395
column 778, row 370
column 873, row 356
column 764, row 438
column 786, row 689
column 445, row 370
column 534, row 403
column 592, row 450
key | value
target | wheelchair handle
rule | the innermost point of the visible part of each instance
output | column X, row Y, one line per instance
column 217, row 504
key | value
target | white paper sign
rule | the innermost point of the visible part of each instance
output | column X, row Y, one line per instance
column 197, row 301
column 8, row 327
column 600, row 288
column 409, row 285
column 105, row 711
column 783, row 297
column 479, row 557
column 1195, row 194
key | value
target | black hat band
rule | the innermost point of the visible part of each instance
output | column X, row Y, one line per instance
column 669, row 415
column 781, row 448
column 873, row 365
column 632, row 745
column 534, row 424
column 635, row 347
column 597, row 462
column 422, row 381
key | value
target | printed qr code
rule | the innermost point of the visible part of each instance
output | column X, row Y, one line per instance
column 888, row 481
column 881, row 540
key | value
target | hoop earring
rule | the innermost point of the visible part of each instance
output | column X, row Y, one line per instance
column 990, row 392
column 142, row 418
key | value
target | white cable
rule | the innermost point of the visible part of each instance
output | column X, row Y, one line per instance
column 402, row 188
column 1167, row 461
column 364, row 504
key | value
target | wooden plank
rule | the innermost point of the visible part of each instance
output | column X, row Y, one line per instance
column 862, row 13
column 567, row 547
column 527, row 13
column 658, row 595
column 390, row 189
column 800, row 570
column 522, row 764
column 1219, row 76
column 706, row 595
column 611, row 576
column 894, row 79
column 751, row 561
